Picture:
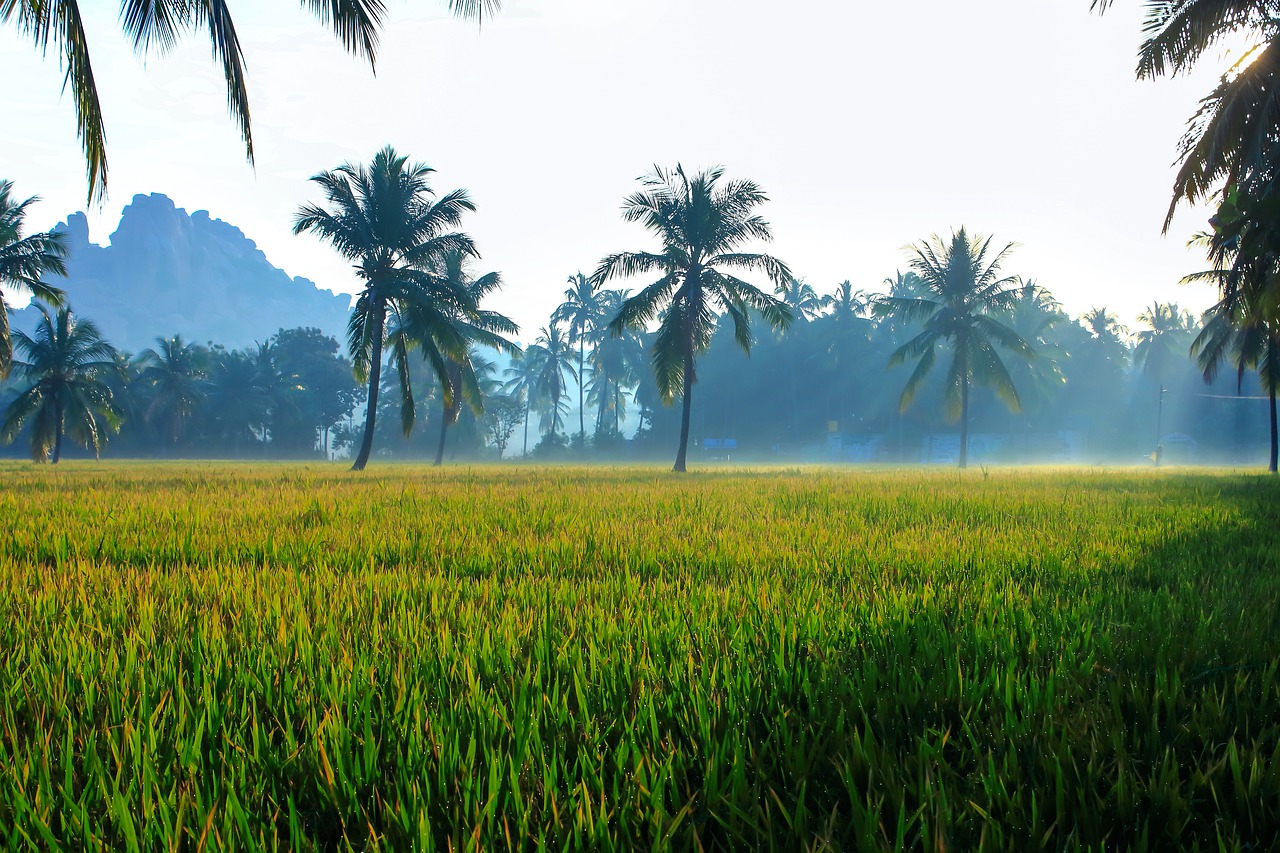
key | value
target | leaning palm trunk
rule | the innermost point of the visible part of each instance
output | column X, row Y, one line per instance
column 582, row 412
column 375, row 376
column 449, row 414
column 526, row 431
column 686, row 408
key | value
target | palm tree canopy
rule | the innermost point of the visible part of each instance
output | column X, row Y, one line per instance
column 960, row 296
column 387, row 221
column 702, row 222
column 1232, row 138
column 69, row 363
column 158, row 24
column 24, row 262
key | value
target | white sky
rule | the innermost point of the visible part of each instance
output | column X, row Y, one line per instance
column 869, row 125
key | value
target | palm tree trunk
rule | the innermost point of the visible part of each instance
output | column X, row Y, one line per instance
column 1275, row 437
column 617, row 423
column 444, row 430
column 964, row 419
column 683, row 452
column 526, row 430
column 57, row 432
column 582, row 411
column 375, row 376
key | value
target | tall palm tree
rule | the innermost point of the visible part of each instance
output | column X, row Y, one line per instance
column 551, row 358
column 962, row 295
column 386, row 220
column 447, row 333
column 24, row 262
column 157, row 24
column 584, row 313
column 522, row 384
column 69, row 363
column 615, row 364
column 175, row 373
column 702, row 223
column 1104, row 325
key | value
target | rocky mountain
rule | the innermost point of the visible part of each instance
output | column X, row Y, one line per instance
column 168, row 272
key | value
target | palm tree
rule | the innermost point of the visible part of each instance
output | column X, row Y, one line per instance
column 801, row 298
column 1231, row 140
column 1248, row 338
column 615, row 364
column 447, row 332
column 846, row 304
column 1165, row 342
column 961, row 296
column 237, row 396
column 584, row 313
column 1104, row 325
column 385, row 219
column 522, row 384
column 551, row 358
column 175, row 373
column 158, row 24
column 70, row 363
column 702, row 223
column 24, row 261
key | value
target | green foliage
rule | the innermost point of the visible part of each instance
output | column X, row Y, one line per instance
column 25, row 261
column 233, row 657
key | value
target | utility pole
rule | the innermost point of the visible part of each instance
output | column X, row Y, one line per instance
column 1159, row 422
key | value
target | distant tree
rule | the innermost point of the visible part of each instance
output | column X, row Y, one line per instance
column 847, row 304
column 584, row 313
column 158, row 24
column 235, row 397
column 319, row 385
column 174, row 372
column 962, row 296
column 24, row 261
column 386, row 220
column 1165, row 341
column 502, row 416
column 701, row 223
column 801, row 298
column 616, row 364
column 551, row 358
column 69, row 362
column 522, row 384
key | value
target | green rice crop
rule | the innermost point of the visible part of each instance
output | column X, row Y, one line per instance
column 221, row 656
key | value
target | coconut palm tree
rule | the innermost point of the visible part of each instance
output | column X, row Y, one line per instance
column 24, row 262
column 522, row 384
column 801, row 298
column 174, row 372
column 157, row 24
column 702, row 221
column 387, row 221
column 551, row 359
column 447, row 333
column 615, row 364
column 584, row 312
column 69, row 363
column 961, row 299
column 1231, row 140
column 238, row 398
column 1248, row 337
column 1164, row 343
column 847, row 304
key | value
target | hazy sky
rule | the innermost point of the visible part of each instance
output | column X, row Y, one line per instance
column 870, row 126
